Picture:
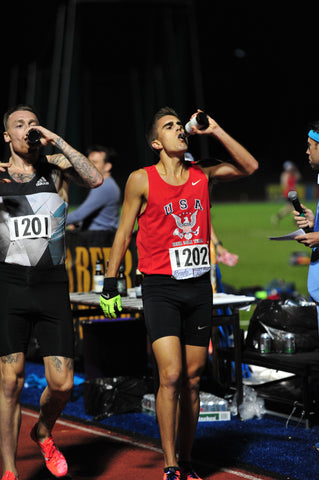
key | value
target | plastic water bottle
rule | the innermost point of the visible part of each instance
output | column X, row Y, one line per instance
column 121, row 282
column 200, row 121
column 98, row 277
column 138, row 283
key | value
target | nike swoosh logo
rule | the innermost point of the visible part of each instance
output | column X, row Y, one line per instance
column 195, row 183
column 201, row 328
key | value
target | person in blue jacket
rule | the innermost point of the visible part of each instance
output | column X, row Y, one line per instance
column 100, row 210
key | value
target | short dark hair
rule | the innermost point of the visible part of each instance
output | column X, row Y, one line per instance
column 151, row 131
column 110, row 153
column 315, row 126
column 16, row 108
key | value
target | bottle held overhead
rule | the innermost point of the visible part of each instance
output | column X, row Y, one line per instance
column 200, row 121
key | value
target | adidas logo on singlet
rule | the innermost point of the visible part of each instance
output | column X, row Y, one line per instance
column 41, row 181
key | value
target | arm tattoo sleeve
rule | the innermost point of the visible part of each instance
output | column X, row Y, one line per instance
column 84, row 170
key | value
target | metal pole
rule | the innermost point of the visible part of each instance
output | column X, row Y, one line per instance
column 31, row 85
column 195, row 60
column 13, row 89
column 56, row 68
column 66, row 69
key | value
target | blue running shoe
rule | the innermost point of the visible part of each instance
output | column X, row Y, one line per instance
column 187, row 472
column 171, row 473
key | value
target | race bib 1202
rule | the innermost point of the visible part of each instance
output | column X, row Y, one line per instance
column 189, row 261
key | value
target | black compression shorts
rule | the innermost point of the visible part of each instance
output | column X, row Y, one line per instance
column 35, row 301
column 181, row 308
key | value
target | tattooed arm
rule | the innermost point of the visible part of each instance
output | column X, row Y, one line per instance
column 74, row 164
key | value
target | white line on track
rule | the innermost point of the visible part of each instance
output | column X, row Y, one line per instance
column 92, row 431
column 241, row 474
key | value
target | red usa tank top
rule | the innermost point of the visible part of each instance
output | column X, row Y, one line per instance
column 174, row 229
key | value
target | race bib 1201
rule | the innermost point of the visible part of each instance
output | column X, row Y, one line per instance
column 30, row 226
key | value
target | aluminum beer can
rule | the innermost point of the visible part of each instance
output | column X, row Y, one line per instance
column 265, row 343
column 290, row 343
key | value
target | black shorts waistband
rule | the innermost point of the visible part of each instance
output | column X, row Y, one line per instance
column 21, row 274
column 158, row 279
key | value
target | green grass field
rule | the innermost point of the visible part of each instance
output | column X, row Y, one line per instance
column 244, row 229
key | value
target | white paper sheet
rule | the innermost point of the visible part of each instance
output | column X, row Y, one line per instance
column 289, row 236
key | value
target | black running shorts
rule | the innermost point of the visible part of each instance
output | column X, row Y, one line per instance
column 35, row 301
column 181, row 308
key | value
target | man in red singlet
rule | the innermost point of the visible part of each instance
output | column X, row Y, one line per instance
column 171, row 202
column 289, row 179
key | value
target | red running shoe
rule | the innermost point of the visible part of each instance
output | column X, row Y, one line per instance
column 171, row 473
column 54, row 459
column 9, row 476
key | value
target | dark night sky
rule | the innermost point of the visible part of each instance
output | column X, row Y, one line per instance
column 258, row 70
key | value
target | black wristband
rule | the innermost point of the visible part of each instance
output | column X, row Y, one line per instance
column 218, row 243
column 110, row 287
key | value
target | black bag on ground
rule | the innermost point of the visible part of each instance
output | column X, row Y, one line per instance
column 110, row 396
column 277, row 319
